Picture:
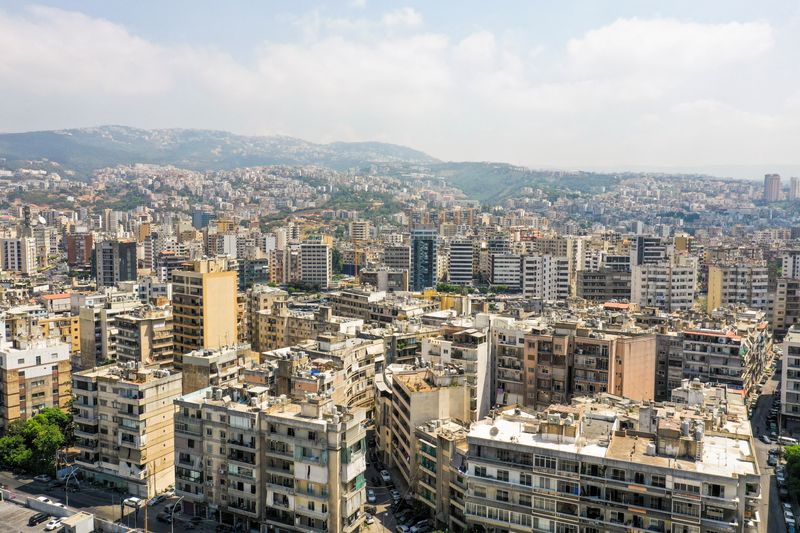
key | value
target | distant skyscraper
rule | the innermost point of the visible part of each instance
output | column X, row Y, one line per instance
column 423, row 257
column 794, row 188
column 772, row 187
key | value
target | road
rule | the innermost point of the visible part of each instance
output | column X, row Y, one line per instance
column 770, row 510
column 101, row 502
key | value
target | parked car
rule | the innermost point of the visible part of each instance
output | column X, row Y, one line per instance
column 164, row 516
column 38, row 518
column 53, row 524
column 170, row 492
column 385, row 476
column 395, row 494
column 44, row 499
column 420, row 526
column 765, row 439
column 371, row 496
column 403, row 529
column 42, row 478
column 173, row 508
column 155, row 500
column 133, row 501
column 368, row 519
column 772, row 460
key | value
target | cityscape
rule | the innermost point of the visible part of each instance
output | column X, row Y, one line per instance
column 339, row 330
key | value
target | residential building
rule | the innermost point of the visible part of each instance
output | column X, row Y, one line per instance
column 35, row 374
column 772, row 187
column 205, row 307
column 124, row 427
column 505, row 269
column 669, row 285
column 248, row 460
column 115, row 261
column 281, row 326
column 144, row 336
column 217, row 367
column 545, row 277
column 79, row 249
column 739, row 283
column 784, row 308
column 98, row 332
column 397, row 257
column 603, row 285
column 794, row 188
column 790, row 377
column 18, row 255
column 316, row 264
column 385, row 279
column 462, row 261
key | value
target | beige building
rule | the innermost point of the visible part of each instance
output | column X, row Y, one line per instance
column 98, row 329
column 35, row 374
column 282, row 327
column 204, row 307
column 218, row 367
column 124, row 426
column 144, row 335
column 742, row 283
column 250, row 460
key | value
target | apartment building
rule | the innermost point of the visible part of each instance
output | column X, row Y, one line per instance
column 397, row 257
column 79, row 249
column 18, row 255
column 507, row 345
column 248, row 460
column 738, row 284
column 114, row 261
column 606, row 464
column 260, row 298
column 603, row 285
column 569, row 359
column 378, row 306
column 440, row 484
column 505, row 269
column 784, row 307
column 284, row 327
column 98, row 330
column 204, row 307
column 216, row 367
column 790, row 377
column 669, row 285
column 144, row 336
column 414, row 397
column 385, row 279
column 462, row 261
column 546, row 277
column 34, row 374
column 316, row 264
column 124, row 426
column 424, row 257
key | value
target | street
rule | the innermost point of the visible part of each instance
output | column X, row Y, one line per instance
column 770, row 509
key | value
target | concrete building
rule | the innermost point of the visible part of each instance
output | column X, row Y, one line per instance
column 506, row 269
column 114, row 261
column 790, row 377
column 669, row 285
column 79, row 249
column 545, row 277
column 424, row 254
column 772, row 187
column 569, row 359
column 18, row 255
column 386, row 279
column 316, row 264
column 248, row 460
column 98, row 330
column 144, row 336
column 737, row 284
column 214, row 367
column 124, row 427
column 790, row 264
column 359, row 230
column 205, row 308
column 603, row 285
column 794, row 188
column 35, row 374
column 397, row 257
column 784, row 308
column 606, row 464
column 462, row 261
column 281, row 326
column 378, row 306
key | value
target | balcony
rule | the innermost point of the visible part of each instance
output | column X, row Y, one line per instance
column 313, row 513
column 241, row 443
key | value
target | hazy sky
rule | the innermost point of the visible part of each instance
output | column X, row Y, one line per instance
column 571, row 84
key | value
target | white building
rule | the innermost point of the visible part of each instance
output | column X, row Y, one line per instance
column 790, row 374
column 18, row 255
column 545, row 277
column 316, row 264
column 505, row 270
column 462, row 256
column 669, row 285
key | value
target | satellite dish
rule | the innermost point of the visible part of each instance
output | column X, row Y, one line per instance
column 494, row 431
column 42, row 221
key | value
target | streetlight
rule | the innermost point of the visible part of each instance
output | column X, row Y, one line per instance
column 172, row 518
column 74, row 475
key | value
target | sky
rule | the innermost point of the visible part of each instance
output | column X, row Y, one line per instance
column 578, row 84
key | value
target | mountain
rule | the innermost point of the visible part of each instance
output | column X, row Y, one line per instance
column 85, row 149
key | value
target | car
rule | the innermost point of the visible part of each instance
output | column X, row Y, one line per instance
column 42, row 478
column 385, row 476
column 772, row 460
column 164, row 516
column 133, row 501
column 169, row 493
column 788, row 515
column 59, row 504
column 155, row 500
column 174, row 507
column 53, row 524
column 403, row 529
column 38, row 518
column 787, row 507
column 44, row 499
column 368, row 519
column 765, row 439
column 371, row 496
column 395, row 494
column 422, row 525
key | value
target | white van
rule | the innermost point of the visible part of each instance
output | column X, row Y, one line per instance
column 787, row 441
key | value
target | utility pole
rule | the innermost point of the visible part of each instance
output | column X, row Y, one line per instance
column 172, row 518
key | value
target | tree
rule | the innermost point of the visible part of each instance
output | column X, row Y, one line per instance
column 32, row 445
column 792, row 456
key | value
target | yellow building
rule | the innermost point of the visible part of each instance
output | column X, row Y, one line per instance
column 205, row 307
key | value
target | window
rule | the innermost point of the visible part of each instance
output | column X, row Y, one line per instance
column 618, row 474
column 312, row 435
column 479, row 491
column 190, row 443
column 658, row 481
column 480, row 471
column 638, row 477
column 501, row 495
column 525, row 500
column 526, row 479
column 542, row 461
column 502, row 475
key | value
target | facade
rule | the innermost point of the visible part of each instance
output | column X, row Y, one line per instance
column 790, row 376
column 214, row 368
column 397, row 257
column 98, row 331
column 205, row 308
column 281, row 326
column 603, row 285
column 79, row 249
column 35, row 374
column 18, row 255
column 462, row 260
column 772, row 187
column 794, row 188
column 668, row 285
column 505, row 269
column 385, row 279
column 248, row 460
column 124, row 427
column 316, row 264
column 424, row 256
column 115, row 261
column 738, row 284
column 546, row 277
column 602, row 466
column 570, row 359
column 144, row 336
column 785, row 305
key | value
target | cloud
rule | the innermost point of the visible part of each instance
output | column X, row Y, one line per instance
column 635, row 91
